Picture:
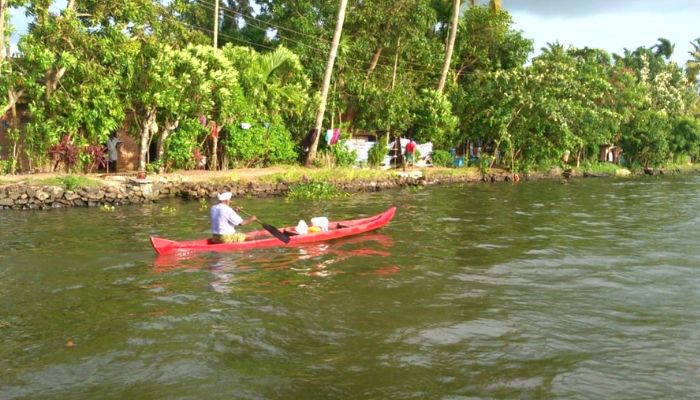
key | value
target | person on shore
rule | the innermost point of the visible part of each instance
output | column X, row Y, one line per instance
column 410, row 152
column 113, row 154
column 224, row 221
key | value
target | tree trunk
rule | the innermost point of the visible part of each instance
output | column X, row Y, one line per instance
column 216, row 24
column 450, row 45
column 169, row 127
column 578, row 157
column 493, row 156
column 146, row 134
column 54, row 76
column 15, row 140
column 12, row 97
column 495, row 5
column 375, row 60
column 3, row 11
column 326, row 83
column 396, row 63
column 214, row 164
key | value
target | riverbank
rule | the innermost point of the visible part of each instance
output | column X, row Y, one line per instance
column 48, row 191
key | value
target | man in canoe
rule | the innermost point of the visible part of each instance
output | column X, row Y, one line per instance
column 224, row 220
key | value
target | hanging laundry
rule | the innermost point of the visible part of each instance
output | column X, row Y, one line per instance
column 336, row 136
column 328, row 136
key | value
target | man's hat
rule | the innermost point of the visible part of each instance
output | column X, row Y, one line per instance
column 225, row 196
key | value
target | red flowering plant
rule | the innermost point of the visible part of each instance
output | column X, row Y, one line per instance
column 64, row 152
column 97, row 157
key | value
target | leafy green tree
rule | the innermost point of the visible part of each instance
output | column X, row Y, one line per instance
column 274, row 82
column 645, row 138
column 685, row 137
column 649, row 104
column 433, row 119
column 490, row 43
column 490, row 92
column 385, row 45
column 277, row 91
column 70, row 75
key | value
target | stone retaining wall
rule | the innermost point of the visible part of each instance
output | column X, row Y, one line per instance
column 25, row 197
column 137, row 191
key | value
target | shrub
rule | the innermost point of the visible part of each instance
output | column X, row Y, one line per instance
column 5, row 166
column 70, row 182
column 344, row 157
column 377, row 153
column 600, row 168
column 154, row 167
column 244, row 145
column 442, row 158
column 485, row 164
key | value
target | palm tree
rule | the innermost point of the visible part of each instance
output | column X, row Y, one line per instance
column 316, row 133
column 450, row 44
column 271, row 81
column 664, row 48
column 692, row 67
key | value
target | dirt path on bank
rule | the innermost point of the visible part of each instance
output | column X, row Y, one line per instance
column 190, row 176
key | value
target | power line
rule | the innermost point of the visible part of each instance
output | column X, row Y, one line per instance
column 320, row 57
column 278, row 27
column 423, row 68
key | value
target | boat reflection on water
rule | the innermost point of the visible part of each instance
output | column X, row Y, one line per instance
column 311, row 260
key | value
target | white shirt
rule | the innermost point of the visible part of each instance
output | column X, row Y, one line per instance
column 224, row 220
column 112, row 148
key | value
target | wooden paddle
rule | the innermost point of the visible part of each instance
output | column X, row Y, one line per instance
column 273, row 231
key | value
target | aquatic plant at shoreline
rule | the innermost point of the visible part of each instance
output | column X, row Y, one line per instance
column 600, row 168
column 314, row 191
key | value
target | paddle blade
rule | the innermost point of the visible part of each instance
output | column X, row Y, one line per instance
column 276, row 233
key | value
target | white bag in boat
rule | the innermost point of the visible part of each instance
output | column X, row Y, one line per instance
column 302, row 228
column 321, row 222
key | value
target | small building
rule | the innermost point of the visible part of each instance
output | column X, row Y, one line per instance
column 610, row 153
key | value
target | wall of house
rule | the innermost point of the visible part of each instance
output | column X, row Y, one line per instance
column 128, row 152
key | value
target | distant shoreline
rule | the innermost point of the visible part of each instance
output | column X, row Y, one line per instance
column 50, row 191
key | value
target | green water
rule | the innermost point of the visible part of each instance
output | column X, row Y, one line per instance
column 588, row 290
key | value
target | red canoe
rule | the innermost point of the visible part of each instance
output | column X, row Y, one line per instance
column 262, row 238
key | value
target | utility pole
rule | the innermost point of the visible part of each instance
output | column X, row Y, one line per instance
column 216, row 24
column 326, row 83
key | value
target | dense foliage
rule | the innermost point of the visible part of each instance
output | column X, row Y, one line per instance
column 147, row 68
